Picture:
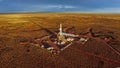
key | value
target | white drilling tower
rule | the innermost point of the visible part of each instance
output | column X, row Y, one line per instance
column 61, row 36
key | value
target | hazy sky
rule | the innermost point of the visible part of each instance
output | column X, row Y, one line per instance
column 112, row 6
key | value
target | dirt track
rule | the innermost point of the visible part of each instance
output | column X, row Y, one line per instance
column 17, row 31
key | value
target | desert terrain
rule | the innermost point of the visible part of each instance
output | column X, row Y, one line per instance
column 17, row 30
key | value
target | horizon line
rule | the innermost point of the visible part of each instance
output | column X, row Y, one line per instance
column 20, row 12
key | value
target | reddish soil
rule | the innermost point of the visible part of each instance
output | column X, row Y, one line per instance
column 17, row 32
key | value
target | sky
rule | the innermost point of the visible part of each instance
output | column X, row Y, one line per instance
column 104, row 6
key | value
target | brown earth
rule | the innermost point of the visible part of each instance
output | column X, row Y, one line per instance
column 16, row 29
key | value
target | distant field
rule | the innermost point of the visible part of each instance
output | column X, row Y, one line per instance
column 15, row 28
column 12, row 25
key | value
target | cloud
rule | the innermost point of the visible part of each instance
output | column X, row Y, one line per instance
column 55, row 6
column 47, row 7
column 108, row 10
column 70, row 7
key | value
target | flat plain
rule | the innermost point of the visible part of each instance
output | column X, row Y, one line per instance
column 18, row 28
